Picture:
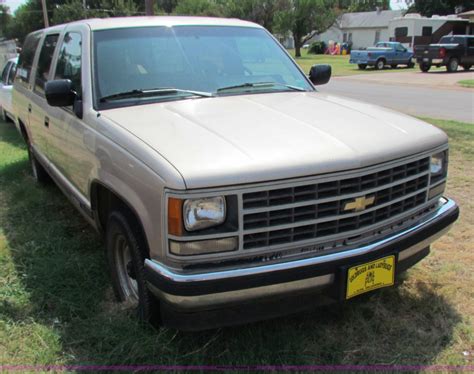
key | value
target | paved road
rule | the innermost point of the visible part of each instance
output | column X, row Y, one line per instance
column 445, row 103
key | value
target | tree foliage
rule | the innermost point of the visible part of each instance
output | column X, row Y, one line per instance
column 304, row 19
column 5, row 19
column 362, row 5
column 428, row 8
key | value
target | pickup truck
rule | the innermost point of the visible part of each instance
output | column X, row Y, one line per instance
column 384, row 53
column 226, row 187
column 451, row 51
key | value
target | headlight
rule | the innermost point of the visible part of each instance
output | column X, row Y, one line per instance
column 437, row 163
column 200, row 214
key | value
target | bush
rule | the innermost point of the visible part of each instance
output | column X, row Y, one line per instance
column 317, row 48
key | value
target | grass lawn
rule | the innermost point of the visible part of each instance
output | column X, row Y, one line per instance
column 467, row 83
column 56, row 305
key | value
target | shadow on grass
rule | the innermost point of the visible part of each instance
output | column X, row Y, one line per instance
column 60, row 264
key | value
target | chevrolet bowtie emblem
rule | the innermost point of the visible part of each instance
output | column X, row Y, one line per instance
column 359, row 204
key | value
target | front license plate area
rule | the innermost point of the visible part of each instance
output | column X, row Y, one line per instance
column 370, row 276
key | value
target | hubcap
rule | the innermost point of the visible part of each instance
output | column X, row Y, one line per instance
column 125, row 270
column 454, row 65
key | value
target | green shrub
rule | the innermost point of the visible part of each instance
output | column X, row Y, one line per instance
column 317, row 48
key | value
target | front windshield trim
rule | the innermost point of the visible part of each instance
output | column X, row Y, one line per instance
column 98, row 105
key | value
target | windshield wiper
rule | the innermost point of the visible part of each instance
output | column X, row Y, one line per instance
column 260, row 85
column 137, row 93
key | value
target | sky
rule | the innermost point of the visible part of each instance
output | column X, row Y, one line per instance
column 13, row 4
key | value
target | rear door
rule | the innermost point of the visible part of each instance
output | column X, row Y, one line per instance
column 4, row 89
column 23, row 78
column 39, row 121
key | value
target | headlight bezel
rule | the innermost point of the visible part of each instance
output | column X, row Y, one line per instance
column 439, row 161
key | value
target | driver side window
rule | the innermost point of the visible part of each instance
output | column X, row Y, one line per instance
column 69, row 60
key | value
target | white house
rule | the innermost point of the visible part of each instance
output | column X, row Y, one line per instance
column 363, row 29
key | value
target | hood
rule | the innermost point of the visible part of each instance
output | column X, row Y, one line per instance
column 260, row 137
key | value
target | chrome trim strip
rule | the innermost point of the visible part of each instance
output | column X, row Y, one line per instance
column 445, row 206
column 225, row 298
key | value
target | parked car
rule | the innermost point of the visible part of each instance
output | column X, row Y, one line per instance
column 384, row 53
column 451, row 51
column 226, row 187
column 6, row 85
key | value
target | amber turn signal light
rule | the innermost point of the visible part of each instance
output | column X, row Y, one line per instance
column 175, row 216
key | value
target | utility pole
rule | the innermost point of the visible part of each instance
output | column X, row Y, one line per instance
column 45, row 13
column 149, row 7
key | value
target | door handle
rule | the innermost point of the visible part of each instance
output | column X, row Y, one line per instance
column 46, row 122
column 29, row 108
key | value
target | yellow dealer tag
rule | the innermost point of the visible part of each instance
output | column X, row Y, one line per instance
column 370, row 276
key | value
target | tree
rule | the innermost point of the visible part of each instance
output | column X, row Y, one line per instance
column 258, row 11
column 441, row 7
column 211, row 8
column 5, row 19
column 167, row 6
column 362, row 5
column 304, row 19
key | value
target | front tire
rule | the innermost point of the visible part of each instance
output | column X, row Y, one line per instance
column 425, row 67
column 453, row 65
column 380, row 64
column 126, row 253
column 362, row 66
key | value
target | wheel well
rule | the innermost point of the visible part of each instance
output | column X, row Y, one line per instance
column 382, row 59
column 104, row 201
column 23, row 131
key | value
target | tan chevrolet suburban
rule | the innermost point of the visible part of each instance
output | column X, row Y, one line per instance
column 227, row 188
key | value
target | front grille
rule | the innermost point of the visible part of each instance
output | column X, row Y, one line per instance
column 316, row 210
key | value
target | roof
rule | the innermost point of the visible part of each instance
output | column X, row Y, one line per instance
column 122, row 22
column 368, row 19
column 468, row 14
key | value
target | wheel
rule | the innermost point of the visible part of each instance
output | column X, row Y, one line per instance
column 362, row 66
column 425, row 67
column 39, row 173
column 410, row 65
column 380, row 64
column 453, row 65
column 393, row 66
column 126, row 253
column 466, row 67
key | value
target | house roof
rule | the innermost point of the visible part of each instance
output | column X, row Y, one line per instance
column 368, row 19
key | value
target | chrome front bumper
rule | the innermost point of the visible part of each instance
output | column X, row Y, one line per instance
column 212, row 290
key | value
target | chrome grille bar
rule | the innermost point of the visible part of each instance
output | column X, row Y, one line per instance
column 293, row 214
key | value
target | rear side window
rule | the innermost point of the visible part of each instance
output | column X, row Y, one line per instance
column 27, row 56
column 44, row 62
column 69, row 60
column 12, row 74
column 5, row 71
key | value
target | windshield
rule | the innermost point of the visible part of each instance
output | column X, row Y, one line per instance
column 215, row 60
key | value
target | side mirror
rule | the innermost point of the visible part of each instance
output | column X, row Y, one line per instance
column 60, row 92
column 320, row 74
